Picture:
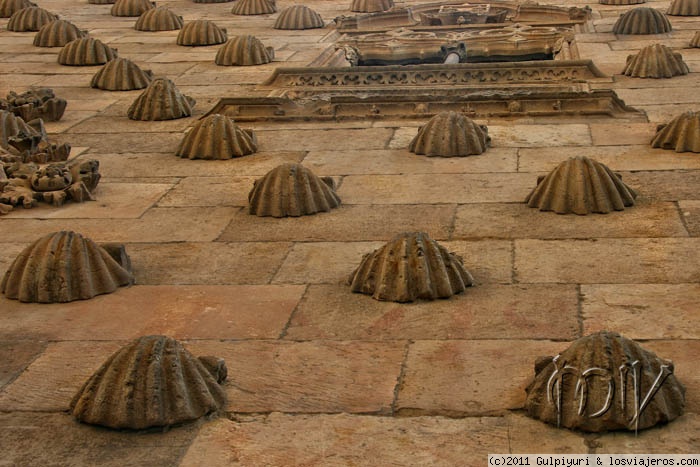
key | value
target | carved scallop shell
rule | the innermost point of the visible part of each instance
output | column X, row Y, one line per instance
column 684, row 8
column 158, row 19
column 621, row 2
column 121, row 74
column 151, row 382
column 131, row 7
column 11, row 125
column 642, row 20
column 298, row 17
column 244, row 51
column 217, row 137
column 682, row 134
column 30, row 19
column 695, row 41
column 600, row 382
column 292, row 190
column 57, row 34
column 655, row 61
column 201, row 32
column 86, row 51
column 450, row 134
column 581, row 186
column 9, row 7
column 411, row 266
column 371, row 6
column 254, row 7
column 161, row 100
column 63, row 267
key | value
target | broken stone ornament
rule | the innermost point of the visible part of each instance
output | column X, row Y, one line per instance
column 581, row 186
column 86, row 51
column 151, row 382
column 131, row 7
column 655, row 61
column 37, row 103
column 642, row 20
column 450, row 134
column 12, row 126
column 371, row 6
column 254, row 7
column 158, row 19
column 30, row 19
column 57, row 34
column 9, row 7
column 161, row 100
column 63, row 267
column 410, row 267
column 121, row 74
column 682, row 134
column 217, row 137
column 298, row 17
column 604, row 382
column 244, row 51
column 200, row 33
column 684, row 8
column 292, row 190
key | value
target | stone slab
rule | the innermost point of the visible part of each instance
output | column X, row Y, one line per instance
column 665, row 185
column 308, row 377
column 320, row 139
column 680, row 95
column 207, row 191
column 620, row 134
column 529, row 436
column 183, row 312
column 469, row 378
column 126, row 125
column 16, row 355
column 111, row 143
column 690, row 210
column 678, row 437
column 481, row 312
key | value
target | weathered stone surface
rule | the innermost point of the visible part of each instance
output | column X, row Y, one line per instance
column 226, row 191
column 340, row 139
column 16, row 355
column 690, row 210
column 310, row 377
column 526, row 435
column 340, row 440
column 621, row 134
column 678, row 437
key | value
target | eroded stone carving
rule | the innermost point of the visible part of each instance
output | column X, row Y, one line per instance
column 86, row 51
column 63, row 267
column 254, row 7
column 131, row 7
column 151, row 382
column 655, row 61
column 682, row 134
column 298, row 17
column 217, row 137
column 642, row 20
column 684, row 8
column 412, row 266
column 581, row 186
column 161, row 100
column 292, row 190
column 9, row 7
column 450, row 134
column 36, row 103
column 371, row 6
column 695, row 41
column 57, row 34
column 604, row 382
column 158, row 19
column 244, row 51
column 30, row 19
column 201, row 32
column 121, row 74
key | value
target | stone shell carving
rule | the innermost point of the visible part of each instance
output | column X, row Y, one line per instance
column 217, row 137
column 30, row 19
column 695, row 41
column 410, row 267
column 621, row 2
column 244, row 51
column 655, row 61
column 121, row 74
column 604, row 382
column 131, row 7
column 450, row 134
column 254, row 7
column 201, row 32
column 292, row 190
column 63, row 267
column 86, row 51
column 151, row 382
column 682, row 134
column 642, row 20
column 57, row 34
column 36, row 103
column 371, row 6
column 161, row 100
column 9, row 7
column 158, row 19
column 684, row 8
column 298, row 17
column 581, row 186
